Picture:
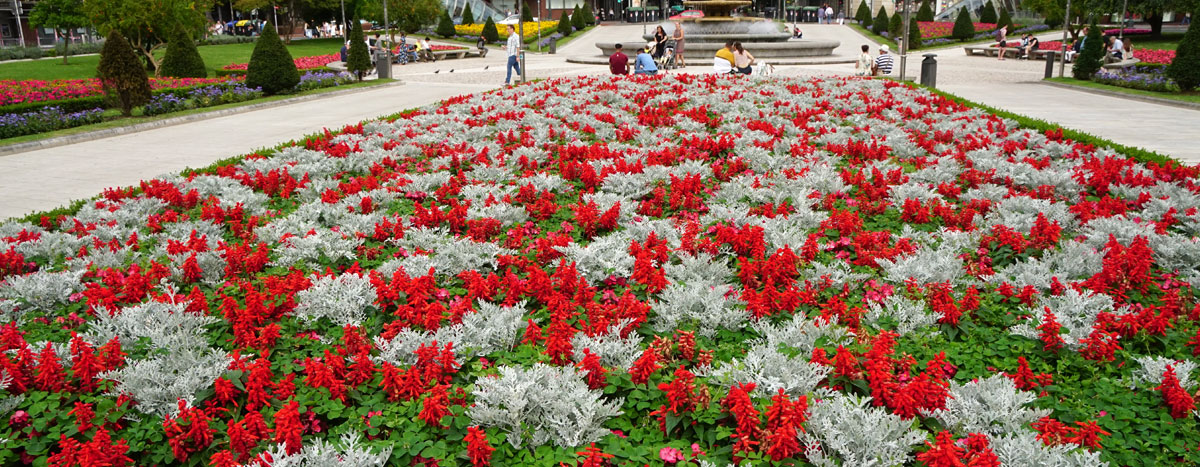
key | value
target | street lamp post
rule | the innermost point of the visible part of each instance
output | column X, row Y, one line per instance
column 1124, row 11
column 343, row 17
column 904, row 39
column 521, row 35
column 20, row 30
column 1062, row 66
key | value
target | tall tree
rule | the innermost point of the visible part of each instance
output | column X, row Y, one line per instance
column 863, row 15
column 408, row 15
column 121, row 74
column 988, row 14
column 63, row 16
column 148, row 24
column 926, row 11
column 1152, row 11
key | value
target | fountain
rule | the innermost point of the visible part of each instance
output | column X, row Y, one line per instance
column 766, row 39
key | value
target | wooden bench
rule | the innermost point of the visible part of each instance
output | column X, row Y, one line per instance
column 992, row 51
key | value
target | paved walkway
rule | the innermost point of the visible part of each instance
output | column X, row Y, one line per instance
column 45, row 179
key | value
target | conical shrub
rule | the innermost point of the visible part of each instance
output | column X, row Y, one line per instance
column 358, row 59
column 1091, row 57
column 577, row 19
column 526, row 16
column 1006, row 20
column 271, row 67
column 564, row 24
column 914, row 35
column 122, row 74
column 988, row 14
column 963, row 30
column 182, row 60
column 926, row 11
column 490, row 33
column 445, row 27
column 467, row 16
column 589, row 16
column 881, row 22
column 1185, row 69
column 896, row 26
column 863, row 15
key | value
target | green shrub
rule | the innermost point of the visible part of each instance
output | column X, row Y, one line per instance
column 526, row 16
column 490, row 33
column 589, row 16
column 988, row 13
column 1091, row 57
column 863, row 15
column 182, row 60
column 914, row 35
column 467, row 16
column 881, row 22
column 122, row 74
column 963, row 28
column 1005, row 20
column 358, row 59
column 577, row 19
column 564, row 24
column 271, row 67
column 926, row 12
column 445, row 27
column 1185, row 70
column 896, row 26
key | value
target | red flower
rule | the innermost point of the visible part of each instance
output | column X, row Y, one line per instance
column 100, row 451
column 1088, row 434
column 679, row 391
column 783, row 423
column 195, row 437
column 49, row 372
column 83, row 416
column 478, row 449
column 433, row 408
column 86, row 365
column 738, row 404
column 943, row 454
column 1174, row 395
column 1050, row 332
column 288, row 427
column 595, row 371
column 593, row 457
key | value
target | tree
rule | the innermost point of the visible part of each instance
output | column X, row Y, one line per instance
column 490, row 33
column 182, row 60
column 896, row 26
column 271, row 66
column 62, row 16
column 963, row 28
column 863, row 15
column 408, row 15
column 1089, row 60
column 881, row 22
column 1185, row 69
column 589, row 16
column 445, row 27
column 122, row 74
column 988, row 14
column 564, row 24
column 358, row 60
column 526, row 16
column 147, row 24
column 1005, row 20
column 577, row 19
column 926, row 11
column 467, row 16
column 1053, row 10
column 914, row 35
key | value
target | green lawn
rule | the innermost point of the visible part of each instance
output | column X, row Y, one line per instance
column 1192, row 97
column 215, row 56
column 1168, row 41
column 115, row 120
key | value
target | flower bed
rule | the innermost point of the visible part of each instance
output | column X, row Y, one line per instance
column 1146, row 78
column 602, row 271
column 303, row 63
column 206, row 96
column 46, row 119
column 1128, row 32
column 1163, row 57
column 936, row 29
column 28, row 91
column 531, row 30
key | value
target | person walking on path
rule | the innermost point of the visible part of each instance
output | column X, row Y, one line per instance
column 512, row 47
column 821, row 14
column 618, row 62
column 863, row 66
column 644, row 65
column 1001, row 38
column 678, row 37
column 828, row 14
column 742, row 59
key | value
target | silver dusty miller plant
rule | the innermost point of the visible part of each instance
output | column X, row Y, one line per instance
column 493, row 328
column 846, row 428
column 771, row 370
column 542, row 404
column 991, row 406
column 319, row 453
column 344, row 299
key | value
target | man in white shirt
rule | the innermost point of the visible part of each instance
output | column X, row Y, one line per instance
column 883, row 63
column 512, row 47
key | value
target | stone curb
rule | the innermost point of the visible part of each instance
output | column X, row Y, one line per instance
column 1147, row 99
column 57, row 141
column 599, row 60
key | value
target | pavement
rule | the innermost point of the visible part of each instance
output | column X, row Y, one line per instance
column 44, row 179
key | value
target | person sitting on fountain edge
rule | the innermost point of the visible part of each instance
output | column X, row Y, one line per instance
column 618, row 62
column 723, row 61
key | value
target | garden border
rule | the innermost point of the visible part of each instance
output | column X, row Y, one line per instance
column 1136, row 97
column 57, row 141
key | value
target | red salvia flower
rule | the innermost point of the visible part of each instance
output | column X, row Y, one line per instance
column 738, row 404
column 193, row 438
column 1088, row 434
column 593, row 457
column 86, row 365
column 479, row 451
column 433, row 408
column 83, row 416
column 1174, row 395
column 50, row 376
column 288, row 427
column 1051, row 339
column 680, row 391
column 783, row 425
column 595, row 371
column 945, row 453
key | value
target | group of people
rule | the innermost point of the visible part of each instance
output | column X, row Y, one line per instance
column 874, row 66
column 673, row 44
column 825, row 15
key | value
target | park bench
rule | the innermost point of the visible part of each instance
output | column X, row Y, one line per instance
column 992, row 51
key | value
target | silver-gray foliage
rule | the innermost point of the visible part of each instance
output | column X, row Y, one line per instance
column 319, row 453
column 845, row 428
column 990, row 406
column 343, row 299
column 771, row 370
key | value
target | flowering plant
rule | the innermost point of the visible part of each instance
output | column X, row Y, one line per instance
column 302, row 63
column 530, row 28
column 934, row 29
column 16, row 91
column 603, row 270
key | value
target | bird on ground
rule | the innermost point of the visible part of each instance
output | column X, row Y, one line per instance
column 436, row 71
column 452, row 70
column 486, row 67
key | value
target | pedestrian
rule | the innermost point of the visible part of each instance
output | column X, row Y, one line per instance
column 828, row 14
column 1001, row 39
column 883, row 63
column 678, row 37
column 512, row 47
column 863, row 66
column 660, row 39
column 742, row 59
column 821, row 14
column 841, row 18
column 644, row 64
column 723, row 60
column 618, row 62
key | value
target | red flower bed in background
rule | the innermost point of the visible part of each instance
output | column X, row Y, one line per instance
column 1164, row 57
column 933, row 29
column 1128, row 32
column 17, row 92
column 303, row 63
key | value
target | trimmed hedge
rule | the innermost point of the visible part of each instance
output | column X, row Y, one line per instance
column 863, row 15
column 271, row 66
column 881, row 22
column 182, row 60
column 1185, row 69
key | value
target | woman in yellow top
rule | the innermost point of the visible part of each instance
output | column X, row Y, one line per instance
column 723, row 61
column 742, row 59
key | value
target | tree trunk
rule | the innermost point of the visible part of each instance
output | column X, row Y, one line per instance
column 1155, row 20
column 66, row 47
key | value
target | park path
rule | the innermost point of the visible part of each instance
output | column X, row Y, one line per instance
column 48, row 178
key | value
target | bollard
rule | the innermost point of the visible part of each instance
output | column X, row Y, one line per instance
column 929, row 71
column 1049, row 64
column 553, row 46
column 383, row 64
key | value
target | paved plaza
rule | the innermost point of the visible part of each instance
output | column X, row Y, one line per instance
column 47, row 178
